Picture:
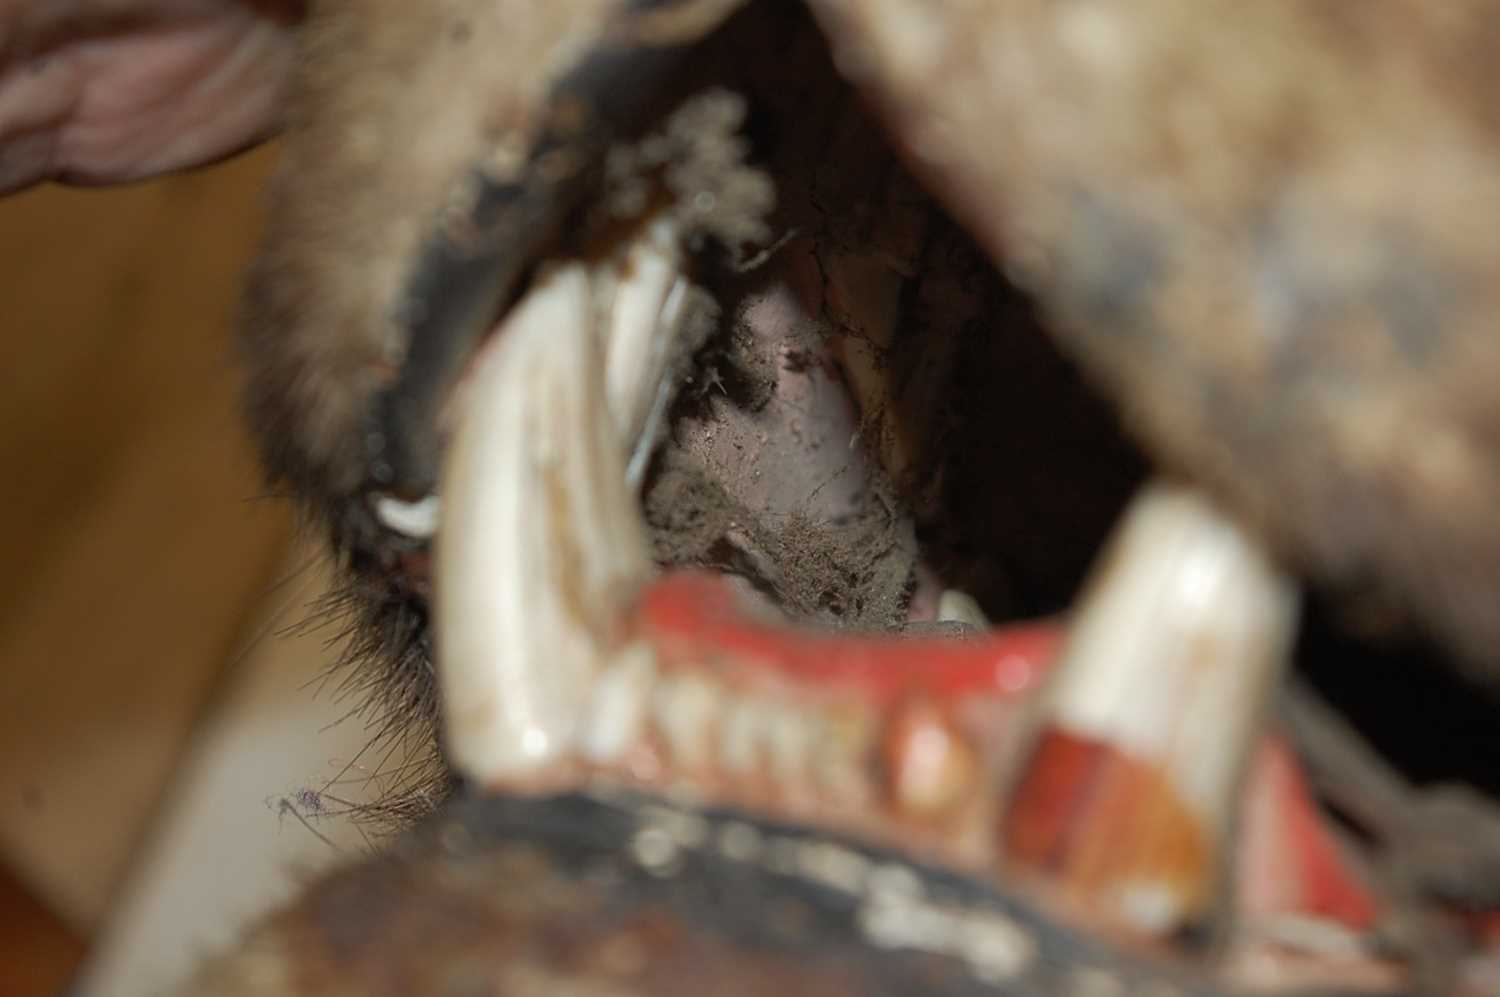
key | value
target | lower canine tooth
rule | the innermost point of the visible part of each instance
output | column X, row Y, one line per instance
column 540, row 545
column 1126, row 801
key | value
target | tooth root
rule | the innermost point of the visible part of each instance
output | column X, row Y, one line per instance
column 620, row 702
column 540, row 544
column 1145, row 731
column 687, row 709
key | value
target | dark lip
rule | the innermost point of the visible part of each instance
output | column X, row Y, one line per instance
column 560, row 894
column 557, row 884
column 470, row 268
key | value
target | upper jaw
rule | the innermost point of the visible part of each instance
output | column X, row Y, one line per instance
column 405, row 215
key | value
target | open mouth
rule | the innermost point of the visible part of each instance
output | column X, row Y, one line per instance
column 703, row 526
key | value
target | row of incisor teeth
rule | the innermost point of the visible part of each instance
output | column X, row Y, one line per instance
column 705, row 730
column 913, row 763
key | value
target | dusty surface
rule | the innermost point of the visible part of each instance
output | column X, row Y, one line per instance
column 879, row 411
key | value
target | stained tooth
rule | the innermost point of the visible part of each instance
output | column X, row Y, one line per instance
column 540, row 546
column 686, row 709
column 418, row 519
column 621, row 697
column 1146, row 729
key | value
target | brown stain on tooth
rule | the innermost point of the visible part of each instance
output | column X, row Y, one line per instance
column 1112, row 834
column 1127, row 799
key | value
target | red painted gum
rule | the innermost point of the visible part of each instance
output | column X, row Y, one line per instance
column 1289, row 861
column 1071, row 815
column 695, row 616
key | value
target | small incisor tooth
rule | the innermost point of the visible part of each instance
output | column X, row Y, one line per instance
column 620, row 701
column 932, row 770
column 791, row 736
column 742, row 736
column 841, row 758
column 687, row 709
column 1156, row 703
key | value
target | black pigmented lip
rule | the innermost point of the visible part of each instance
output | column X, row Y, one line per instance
column 471, row 267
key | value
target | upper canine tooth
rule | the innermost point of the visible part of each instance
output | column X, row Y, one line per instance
column 1155, row 706
column 540, row 547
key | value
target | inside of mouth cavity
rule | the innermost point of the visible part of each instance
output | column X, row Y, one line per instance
column 1014, row 469
column 877, row 411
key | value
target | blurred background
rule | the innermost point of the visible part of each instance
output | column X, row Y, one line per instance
column 150, row 582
